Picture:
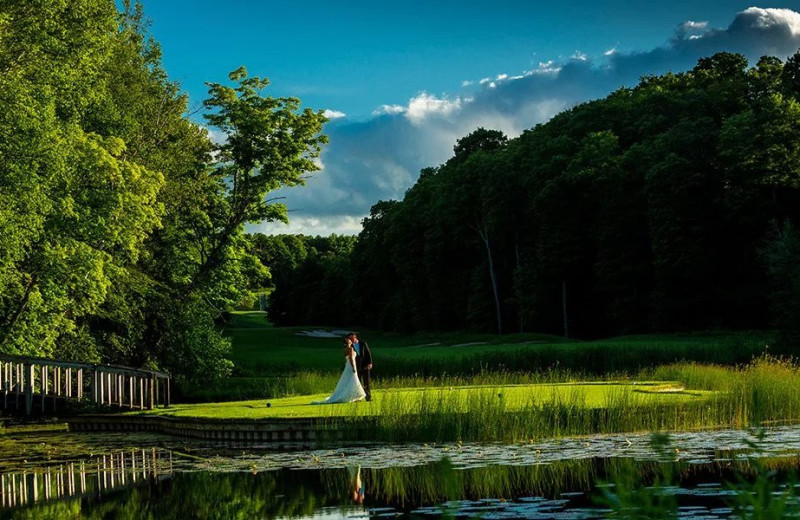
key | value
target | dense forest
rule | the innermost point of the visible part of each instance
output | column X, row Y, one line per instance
column 121, row 224
column 668, row 206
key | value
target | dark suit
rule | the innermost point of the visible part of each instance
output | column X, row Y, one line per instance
column 363, row 360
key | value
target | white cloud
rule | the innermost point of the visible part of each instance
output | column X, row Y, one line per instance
column 691, row 30
column 388, row 110
column 579, row 56
column 769, row 19
column 216, row 136
column 610, row 51
column 501, row 77
column 690, row 25
column 333, row 114
column 425, row 104
column 545, row 67
column 312, row 226
column 380, row 158
column 466, row 83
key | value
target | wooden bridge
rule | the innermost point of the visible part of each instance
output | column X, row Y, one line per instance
column 26, row 382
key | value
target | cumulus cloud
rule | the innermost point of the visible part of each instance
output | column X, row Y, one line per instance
column 424, row 105
column 380, row 158
column 333, row 114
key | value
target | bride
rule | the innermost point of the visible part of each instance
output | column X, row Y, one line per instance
column 349, row 388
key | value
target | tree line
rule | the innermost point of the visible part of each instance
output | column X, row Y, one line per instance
column 121, row 224
column 668, row 206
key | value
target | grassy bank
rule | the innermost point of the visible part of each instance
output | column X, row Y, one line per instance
column 272, row 362
column 766, row 391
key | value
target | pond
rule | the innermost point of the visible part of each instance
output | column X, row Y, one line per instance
column 696, row 475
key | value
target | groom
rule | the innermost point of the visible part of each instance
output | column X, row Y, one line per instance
column 363, row 362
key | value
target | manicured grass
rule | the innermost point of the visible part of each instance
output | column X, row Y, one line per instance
column 458, row 399
column 261, row 350
column 272, row 362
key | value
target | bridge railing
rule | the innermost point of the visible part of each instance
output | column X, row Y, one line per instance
column 25, row 381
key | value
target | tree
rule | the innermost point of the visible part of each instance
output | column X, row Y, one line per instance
column 87, row 207
column 269, row 145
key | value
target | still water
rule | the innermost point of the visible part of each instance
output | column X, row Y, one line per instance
column 62, row 475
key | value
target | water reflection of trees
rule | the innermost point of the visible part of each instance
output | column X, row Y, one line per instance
column 290, row 493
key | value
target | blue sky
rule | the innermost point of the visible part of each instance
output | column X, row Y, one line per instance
column 405, row 77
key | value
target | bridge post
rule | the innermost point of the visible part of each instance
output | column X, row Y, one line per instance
column 131, row 394
column 166, row 401
column 110, row 390
column 43, row 376
column 152, row 392
column 57, row 392
column 3, row 387
column 18, row 384
column 80, row 384
column 29, row 388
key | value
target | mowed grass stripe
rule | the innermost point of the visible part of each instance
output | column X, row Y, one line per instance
column 452, row 399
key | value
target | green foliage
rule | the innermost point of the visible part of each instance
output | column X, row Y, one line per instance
column 310, row 276
column 122, row 237
column 782, row 258
column 197, row 352
column 644, row 211
column 87, row 207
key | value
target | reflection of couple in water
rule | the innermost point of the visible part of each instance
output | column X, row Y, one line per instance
column 357, row 489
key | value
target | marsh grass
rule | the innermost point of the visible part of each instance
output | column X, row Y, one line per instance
column 765, row 391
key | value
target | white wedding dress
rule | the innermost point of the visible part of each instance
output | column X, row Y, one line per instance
column 349, row 388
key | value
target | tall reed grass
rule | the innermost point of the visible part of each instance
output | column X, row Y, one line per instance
column 765, row 391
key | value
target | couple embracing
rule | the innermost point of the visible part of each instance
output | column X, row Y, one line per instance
column 357, row 362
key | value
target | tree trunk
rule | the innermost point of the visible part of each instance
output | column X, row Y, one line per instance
column 484, row 234
column 564, row 307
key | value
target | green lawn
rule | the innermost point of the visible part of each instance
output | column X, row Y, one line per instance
column 459, row 399
column 261, row 350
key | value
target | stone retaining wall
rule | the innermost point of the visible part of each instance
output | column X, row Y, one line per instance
column 304, row 431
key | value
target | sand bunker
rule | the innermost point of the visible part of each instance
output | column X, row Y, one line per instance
column 319, row 334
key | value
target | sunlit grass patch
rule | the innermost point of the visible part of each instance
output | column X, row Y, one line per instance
column 683, row 396
column 458, row 399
